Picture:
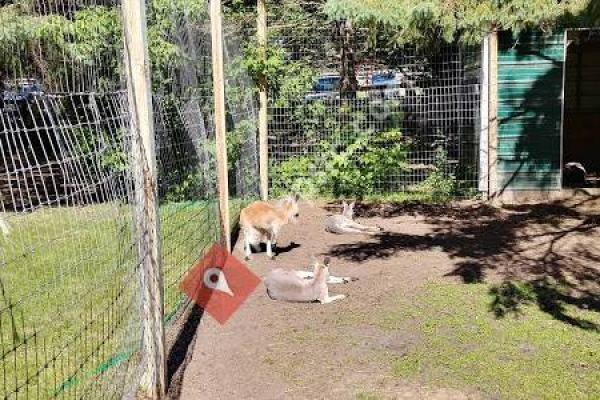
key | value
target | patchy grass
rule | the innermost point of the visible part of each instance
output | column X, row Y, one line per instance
column 362, row 395
column 462, row 343
column 69, row 304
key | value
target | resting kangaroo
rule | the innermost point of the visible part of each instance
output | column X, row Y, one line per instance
column 261, row 222
column 297, row 286
column 344, row 223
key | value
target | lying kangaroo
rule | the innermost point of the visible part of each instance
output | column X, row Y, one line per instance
column 261, row 222
column 303, row 287
column 344, row 223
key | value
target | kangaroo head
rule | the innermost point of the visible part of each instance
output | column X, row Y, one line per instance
column 348, row 211
column 290, row 207
column 321, row 270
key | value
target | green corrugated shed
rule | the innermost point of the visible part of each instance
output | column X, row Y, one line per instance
column 530, row 78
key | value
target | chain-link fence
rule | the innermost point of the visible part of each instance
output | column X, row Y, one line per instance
column 70, row 306
column 352, row 115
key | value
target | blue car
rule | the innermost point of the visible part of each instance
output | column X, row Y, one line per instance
column 325, row 87
column 327, row 83
column 384, row 80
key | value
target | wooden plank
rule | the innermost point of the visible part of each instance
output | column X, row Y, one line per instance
column 485, row 121
column 493, row 115
column 529, row 109
column 261, row 34
column 216, row 25
column 541, row 181
column 137, row 63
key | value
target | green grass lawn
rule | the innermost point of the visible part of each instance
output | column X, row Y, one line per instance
column 459, row 343
column 69, row 305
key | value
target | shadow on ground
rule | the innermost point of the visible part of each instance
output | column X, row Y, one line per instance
column 547, row 254
column 181, row 350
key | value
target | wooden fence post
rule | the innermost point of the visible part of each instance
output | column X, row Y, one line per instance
column 493, row 116
column 485, row 118
column 220, row 123
column 137, row 63
column 261, row 34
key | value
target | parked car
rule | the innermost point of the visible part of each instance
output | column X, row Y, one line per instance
column 325, row 87
column 23, row 90
column 388, row 85
column 386, row 79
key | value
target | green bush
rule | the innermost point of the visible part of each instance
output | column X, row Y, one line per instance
column 354, row 168
column 359, row 168
column 441, row 184
column 296, row 175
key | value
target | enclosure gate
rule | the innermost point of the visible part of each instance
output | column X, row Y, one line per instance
column 530, row 88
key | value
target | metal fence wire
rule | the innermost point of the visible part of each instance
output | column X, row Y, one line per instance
column 70, row 295
column 409, row 125
column 71, row 320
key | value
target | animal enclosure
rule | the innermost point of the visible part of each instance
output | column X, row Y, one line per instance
column 133, row 133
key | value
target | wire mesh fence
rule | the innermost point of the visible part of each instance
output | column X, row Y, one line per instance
column 71, row 268
column 70, row 306
column 240, row 97
column 351, row 115
column 70, row 292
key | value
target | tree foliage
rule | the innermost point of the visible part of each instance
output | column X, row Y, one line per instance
column 50, row 45
column 409, row 21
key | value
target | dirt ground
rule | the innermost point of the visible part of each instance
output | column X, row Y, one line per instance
column 274, row 350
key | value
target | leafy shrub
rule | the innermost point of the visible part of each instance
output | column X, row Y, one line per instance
column 440, row 185
column 297, row 175
column 361, row 166
column 353, row 168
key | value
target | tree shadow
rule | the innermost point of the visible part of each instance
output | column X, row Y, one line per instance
column 547, row 247
column 469, row 272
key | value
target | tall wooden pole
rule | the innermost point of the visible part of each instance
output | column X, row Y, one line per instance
column 485, row 118
column 261, row 34
column 137, row 61
column 493, row 116
column 216, row 25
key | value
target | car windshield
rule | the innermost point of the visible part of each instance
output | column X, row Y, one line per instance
column 327, row 83
column 382, row 78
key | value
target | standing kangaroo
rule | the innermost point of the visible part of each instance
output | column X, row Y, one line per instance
column 295, row 286
column 261, row 222
column 344, row 223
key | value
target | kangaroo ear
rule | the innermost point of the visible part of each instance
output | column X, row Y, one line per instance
column 327, row 261
column 296, row 197
column 345, row 205
column 352, row 206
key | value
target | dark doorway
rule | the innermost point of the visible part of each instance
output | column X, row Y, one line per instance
column 581, row 136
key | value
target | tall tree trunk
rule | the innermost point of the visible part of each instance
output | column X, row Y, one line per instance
column 347, row 40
